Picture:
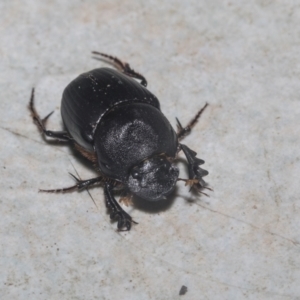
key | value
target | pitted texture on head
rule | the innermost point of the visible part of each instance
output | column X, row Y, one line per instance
column 153, row 179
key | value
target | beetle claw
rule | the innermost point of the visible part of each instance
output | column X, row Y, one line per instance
column 124, row 220
column 124, row 223
column 199, row 186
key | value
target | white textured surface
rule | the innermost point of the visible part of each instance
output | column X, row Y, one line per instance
column 241, row 243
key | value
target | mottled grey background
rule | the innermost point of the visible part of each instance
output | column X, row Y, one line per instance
column 242, row 57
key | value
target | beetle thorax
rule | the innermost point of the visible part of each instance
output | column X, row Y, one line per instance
column 128, row 135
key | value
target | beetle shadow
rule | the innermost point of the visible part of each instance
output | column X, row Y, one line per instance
column 82, row 159
column 154, row 206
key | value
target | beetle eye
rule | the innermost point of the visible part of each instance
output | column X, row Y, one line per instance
column 136, row 175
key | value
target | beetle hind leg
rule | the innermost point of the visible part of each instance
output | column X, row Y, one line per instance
column 124, row 220
column 125, row 67
column 40, row 123
column 80, row 184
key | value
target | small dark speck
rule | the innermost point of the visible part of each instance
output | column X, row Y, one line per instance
column 4, row 168
column 183, row 290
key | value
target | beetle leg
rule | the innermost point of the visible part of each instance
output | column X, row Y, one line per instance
column 184, row 131
column 125, row 67
column 81, row 184
column 195, row 172
column 59, row 135
column 124, row 220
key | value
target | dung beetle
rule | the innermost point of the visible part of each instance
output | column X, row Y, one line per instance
column 116, row 122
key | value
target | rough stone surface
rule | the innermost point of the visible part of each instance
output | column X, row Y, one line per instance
column 240, row 243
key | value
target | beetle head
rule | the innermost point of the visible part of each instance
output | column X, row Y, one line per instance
column 153, row 178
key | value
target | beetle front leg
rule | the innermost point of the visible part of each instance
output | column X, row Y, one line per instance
column 195, row 172
column 124, row 220
column 59, row 135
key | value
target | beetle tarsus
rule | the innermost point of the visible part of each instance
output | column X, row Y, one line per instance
column 125, row 67
column 126, row 199
column 124, row 219
column 184, row 131
column 81, row 184
column 59, row 135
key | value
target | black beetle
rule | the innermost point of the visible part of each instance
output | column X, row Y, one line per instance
column 116, row 123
